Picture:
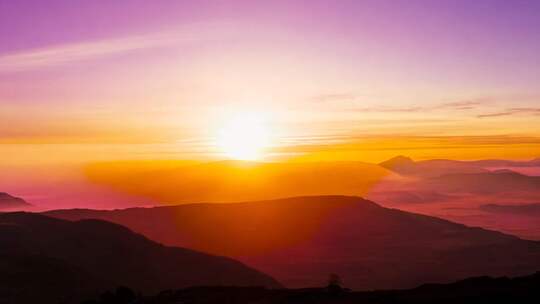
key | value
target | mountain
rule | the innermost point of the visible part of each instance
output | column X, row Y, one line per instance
column 301, row 240
column 409, row 196
column 430, row 168
column 230, row 181
column 438, row 167
column 65, row 260
column 472, row 290
column 483, row 183
column 486, row 163
column 398, row 163
column 11, row 203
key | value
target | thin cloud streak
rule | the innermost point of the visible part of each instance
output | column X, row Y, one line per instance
column 468, row 104
column 512, row 111
column 459, row 105
column 464, row 105
column 334, row 97
column 498, row 114
column 88, row 50
column 406, row 142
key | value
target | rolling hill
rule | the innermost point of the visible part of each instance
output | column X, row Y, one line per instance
column 439, row 167
column 471, row 290
column 12, row 203
column 301, row 240
column 63, row 260
column 483, row 183
column 430, row 168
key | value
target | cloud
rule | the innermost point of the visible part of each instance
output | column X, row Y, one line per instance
column 334, row 97
column 376, row 148
column 67, row 53
column 88, row 50
column 498, row 114
column 526, row 110
column 512, row 111
column 387, row 109
column 353, row 98
column 380, row 142
column 458, row 105
column 463, row 105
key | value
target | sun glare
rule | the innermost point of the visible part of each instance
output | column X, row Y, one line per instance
column 244, row 136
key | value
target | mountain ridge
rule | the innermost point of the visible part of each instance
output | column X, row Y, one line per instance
column 437, row 167
column 9, row 202
column 300, row 240
column 107, row 254
column 487, row 289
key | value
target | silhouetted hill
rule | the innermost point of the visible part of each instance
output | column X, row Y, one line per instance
column 438, row 167
column 430, row 168
column 485, row 163
column 398, row 163
column 41, row 279
column 491, row 182
column 9, row 202
column 44, row 253
column 301, row 240
column 474, row 290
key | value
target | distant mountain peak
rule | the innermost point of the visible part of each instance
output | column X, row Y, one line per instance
column 10, row 202
column 402, row 158
column 397, row 161
column 505, row 171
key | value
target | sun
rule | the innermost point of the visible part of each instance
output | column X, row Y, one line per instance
column 244, row 136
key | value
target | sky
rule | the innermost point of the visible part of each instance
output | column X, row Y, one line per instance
column 82, row 81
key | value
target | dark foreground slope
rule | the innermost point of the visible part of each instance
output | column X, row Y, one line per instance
column 47, row 259
column 475, row 290
column 299, row 241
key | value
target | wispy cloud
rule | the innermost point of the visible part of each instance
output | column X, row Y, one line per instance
column 464, row 105
column 387, row 109
column 88, row 50
column 334, row 97
column 497, row 114
column 512, row 111
column 382, row 142
column 458, row 105
column 354, row 100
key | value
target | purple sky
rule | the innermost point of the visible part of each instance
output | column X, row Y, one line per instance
column 159, row 71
